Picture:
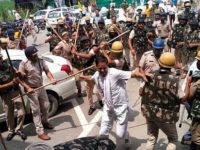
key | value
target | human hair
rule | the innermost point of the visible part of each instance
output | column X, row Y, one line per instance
column 100, row 59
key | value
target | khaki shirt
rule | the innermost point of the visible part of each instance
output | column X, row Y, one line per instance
column 148, row 62
column 33, row 72
column 162, row 30
column 63, row 50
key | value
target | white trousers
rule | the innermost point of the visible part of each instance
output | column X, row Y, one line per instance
column 118, row 114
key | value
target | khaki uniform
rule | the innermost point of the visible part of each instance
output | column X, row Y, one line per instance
column 6, row 75
column 160, row 105
column 162, row 31
column 39, row 101
column 148, row 62
column 63, row 50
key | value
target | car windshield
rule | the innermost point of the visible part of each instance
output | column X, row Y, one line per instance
column 16, row 63
column 66, row 13
column 54, row 15
column 43, row 12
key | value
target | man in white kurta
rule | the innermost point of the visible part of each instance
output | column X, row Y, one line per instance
column 112, row 87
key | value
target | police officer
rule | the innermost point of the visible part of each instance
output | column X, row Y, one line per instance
column 63, row 48
column 186, row 12
column 163, row 27
column 179, row 32
column 191, row 41
column 89, row 29
column 115, row 58
column 149, row 60
column 12, row 42
column 101, row 33
column 138, row 42
column 61, row 27
column 85, row 57
column 8, row 90
column 52, row 39
column 31, row 70
column 161, row 100
column 31, row 29
column 151, row 33
column 193, row 83
column 114, row 28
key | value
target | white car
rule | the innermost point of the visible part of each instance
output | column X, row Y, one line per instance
column 57, row 93
column 41, row 14
column 54, row 15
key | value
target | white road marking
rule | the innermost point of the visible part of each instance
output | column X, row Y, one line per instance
column 88, row 128
column 79, row 112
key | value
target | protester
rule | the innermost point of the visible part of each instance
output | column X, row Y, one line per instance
column 111, row 85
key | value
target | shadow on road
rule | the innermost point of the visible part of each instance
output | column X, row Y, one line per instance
column 15, row 144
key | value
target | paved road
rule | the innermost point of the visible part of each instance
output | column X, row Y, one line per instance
column 72, row 121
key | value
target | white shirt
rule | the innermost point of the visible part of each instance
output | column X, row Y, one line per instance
column 118, row 86
column 192, row 68
column 17, row 16
column 31, row 23
column 172, row 10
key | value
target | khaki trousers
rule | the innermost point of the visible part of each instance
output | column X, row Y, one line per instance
column 39, row 103
column 153, row 130
column 9, row 107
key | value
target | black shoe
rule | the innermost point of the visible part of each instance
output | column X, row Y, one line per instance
column 10, row 136
column 91, row 110
column 21, row 134
column 101, row 103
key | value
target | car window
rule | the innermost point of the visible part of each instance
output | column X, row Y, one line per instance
column 54, row 15
column 16, row 63
column 65, row 13
column 64, row 9
column 43, row 12
column 58, row 9
column 37, row 13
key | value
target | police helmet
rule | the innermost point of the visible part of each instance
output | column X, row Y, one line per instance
column 187, row 4
column 10, row 32
column 158, row 43
column 101, row 21
column 167, row 60
column 117, row 47
column 30, row 51
column 198, row 56
column 141, row 20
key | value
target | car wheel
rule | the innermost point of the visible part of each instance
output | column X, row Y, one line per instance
column 53, row 105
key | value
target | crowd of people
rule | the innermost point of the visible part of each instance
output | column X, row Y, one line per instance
column 155, row 45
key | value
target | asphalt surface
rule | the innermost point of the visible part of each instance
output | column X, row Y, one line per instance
column 72, row 120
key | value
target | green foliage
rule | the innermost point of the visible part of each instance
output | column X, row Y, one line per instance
column 5, row 10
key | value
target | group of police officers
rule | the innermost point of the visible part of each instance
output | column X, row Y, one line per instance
column 160, row 50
